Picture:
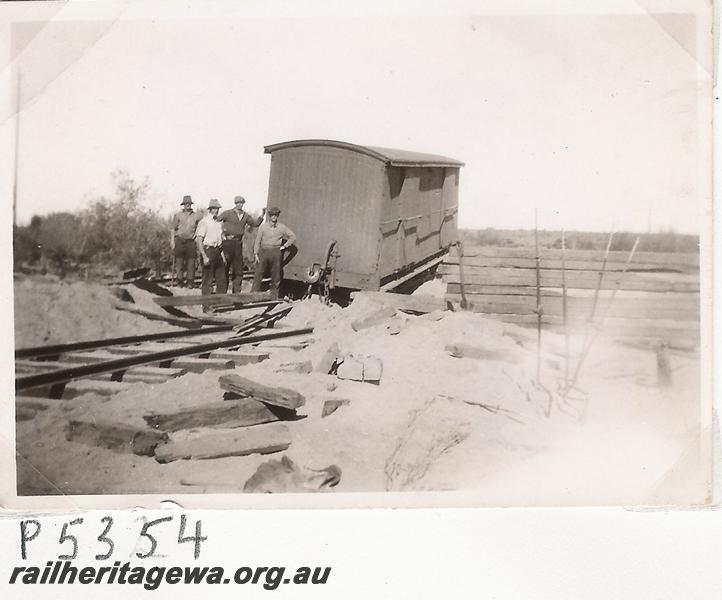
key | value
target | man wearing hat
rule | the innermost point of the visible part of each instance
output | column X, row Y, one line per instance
column 183, row 230
column 209, row 239
column 271, row 240
column 234, row 222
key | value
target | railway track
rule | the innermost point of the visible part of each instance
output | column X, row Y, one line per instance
column 104, row 366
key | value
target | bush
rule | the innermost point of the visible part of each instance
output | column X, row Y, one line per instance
column 117, row 231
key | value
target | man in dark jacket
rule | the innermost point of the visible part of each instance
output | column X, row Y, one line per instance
column 183, row 230
column 235, row 222
column 271, row 240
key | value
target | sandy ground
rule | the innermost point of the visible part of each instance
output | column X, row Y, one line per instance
column 52, row 312
column 435, row 422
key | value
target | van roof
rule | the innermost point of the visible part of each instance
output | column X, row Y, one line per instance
column 390, row 156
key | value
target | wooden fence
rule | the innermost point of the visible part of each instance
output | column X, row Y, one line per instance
column 657, row 297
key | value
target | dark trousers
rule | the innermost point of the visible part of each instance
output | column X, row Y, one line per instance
column 185, row 261
column 215, row 269
column 268, row 259
column 233, row 249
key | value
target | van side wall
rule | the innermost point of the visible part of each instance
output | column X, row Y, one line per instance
column 418, row 216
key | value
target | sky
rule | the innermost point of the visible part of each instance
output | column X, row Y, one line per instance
column 596, row 121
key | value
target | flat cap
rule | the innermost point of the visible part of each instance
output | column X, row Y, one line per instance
column 239, row 200
column 274, row 210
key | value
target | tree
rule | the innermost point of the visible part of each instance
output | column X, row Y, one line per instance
column 122, row 232
column 57, row 240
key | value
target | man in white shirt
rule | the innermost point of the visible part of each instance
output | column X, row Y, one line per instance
column 209, row 239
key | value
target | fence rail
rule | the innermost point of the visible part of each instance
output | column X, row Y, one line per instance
column 659, row 295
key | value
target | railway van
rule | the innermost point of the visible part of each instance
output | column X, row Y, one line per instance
column 365, row 217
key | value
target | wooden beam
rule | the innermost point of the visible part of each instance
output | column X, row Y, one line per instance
column 276, row 396
column 414, row 273
column 120, row 437
column 578, row 280
column 661, row 258
column 228, row 413
column 128, row 307
column 302, row 367
column 555, row 263
column 218, row 443
column 221, row 299
column 35, row 366
column 198, row 365
column 239, row 358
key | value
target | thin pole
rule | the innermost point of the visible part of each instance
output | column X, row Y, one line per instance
column 538, row 297
column 17, row 148
column 601, row 276
column 564, row 312
column 460, row 247
column 590, row 342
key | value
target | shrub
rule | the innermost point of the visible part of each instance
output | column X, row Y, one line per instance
column 119, row 231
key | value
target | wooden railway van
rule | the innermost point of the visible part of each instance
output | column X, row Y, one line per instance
column 390, row 211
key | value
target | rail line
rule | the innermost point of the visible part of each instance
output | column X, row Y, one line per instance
column 131, row 354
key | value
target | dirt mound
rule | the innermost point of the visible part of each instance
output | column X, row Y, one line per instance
column 52, row 312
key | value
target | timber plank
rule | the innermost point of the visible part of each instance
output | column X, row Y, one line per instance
column 631, row 282
column 178, row 321
column 649, row 307
column 198, row 365
column 276, row 396
column 120, row 437
column 146, row 349
column 452, row 274
column 224, row 413
column 35, row 366
column 218, row 443
column 293, row 344
column 302, row 367
column 135, row 374
column 239, row 358
column 503, row 290
column 662, row 258
column 136, row 378
column 210, row 299
column 556, row 263
column 73, row 389
column 87, row 358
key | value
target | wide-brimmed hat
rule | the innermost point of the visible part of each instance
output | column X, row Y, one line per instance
column 239, row 200
column 214, row 204
column 274, row 210
column 186, row 200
